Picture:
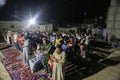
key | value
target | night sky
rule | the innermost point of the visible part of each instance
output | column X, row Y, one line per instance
column 55, row 11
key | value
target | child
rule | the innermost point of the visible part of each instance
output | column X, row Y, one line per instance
column 50, row 62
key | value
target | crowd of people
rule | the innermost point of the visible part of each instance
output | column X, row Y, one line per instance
column 66, row 45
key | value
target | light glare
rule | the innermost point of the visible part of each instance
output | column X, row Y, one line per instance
column 32, row 21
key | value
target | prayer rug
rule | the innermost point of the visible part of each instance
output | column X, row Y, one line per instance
column 11, row 54
column 15, row 76
column 15, row 67
column 7, row 60
column 4, row 45
column 26, row 74
column 9, row 49
column 42, row 77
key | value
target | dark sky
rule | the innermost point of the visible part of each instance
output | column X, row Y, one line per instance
column 62, row 11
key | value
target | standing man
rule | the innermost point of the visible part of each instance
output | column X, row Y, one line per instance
column 20, row 42
column 25, row 51
column 109, row 37
column 15, row 38
column 5, row 35
column 9, row 37
column 87, row 40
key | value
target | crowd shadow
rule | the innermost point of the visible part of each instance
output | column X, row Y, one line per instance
column 110, row 61
column 92, row 62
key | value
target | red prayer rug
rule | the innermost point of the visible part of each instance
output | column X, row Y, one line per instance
column 4, row 45
column 26, row 74
column 15, row 67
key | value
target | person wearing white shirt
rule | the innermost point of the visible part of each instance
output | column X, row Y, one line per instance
column 25, row 51
column 15, row 38
column 87, row 40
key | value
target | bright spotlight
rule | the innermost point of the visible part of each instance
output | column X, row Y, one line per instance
column 32, row 21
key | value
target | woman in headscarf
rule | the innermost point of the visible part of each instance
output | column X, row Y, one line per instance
column 58, row 65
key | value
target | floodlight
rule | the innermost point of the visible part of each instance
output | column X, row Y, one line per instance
column 32, row 21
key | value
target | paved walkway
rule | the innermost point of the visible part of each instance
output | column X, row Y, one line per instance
column 110, row 72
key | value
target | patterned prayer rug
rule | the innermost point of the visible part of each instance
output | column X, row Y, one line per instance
column 11, row 52
column 15, row 76
column 8, row 61
column 26, row 74
column 15, row 67
column 4, row 45
column 42, row 77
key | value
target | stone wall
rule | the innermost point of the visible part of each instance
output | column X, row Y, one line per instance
column 17, row 25
column 113, row 19
column 67, row 29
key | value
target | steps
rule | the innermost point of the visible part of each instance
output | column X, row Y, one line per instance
column 72, row 71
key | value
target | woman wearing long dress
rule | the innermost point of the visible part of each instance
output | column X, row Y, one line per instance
column 58, row 65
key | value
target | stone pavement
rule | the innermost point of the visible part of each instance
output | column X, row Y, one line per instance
column 111, row 72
